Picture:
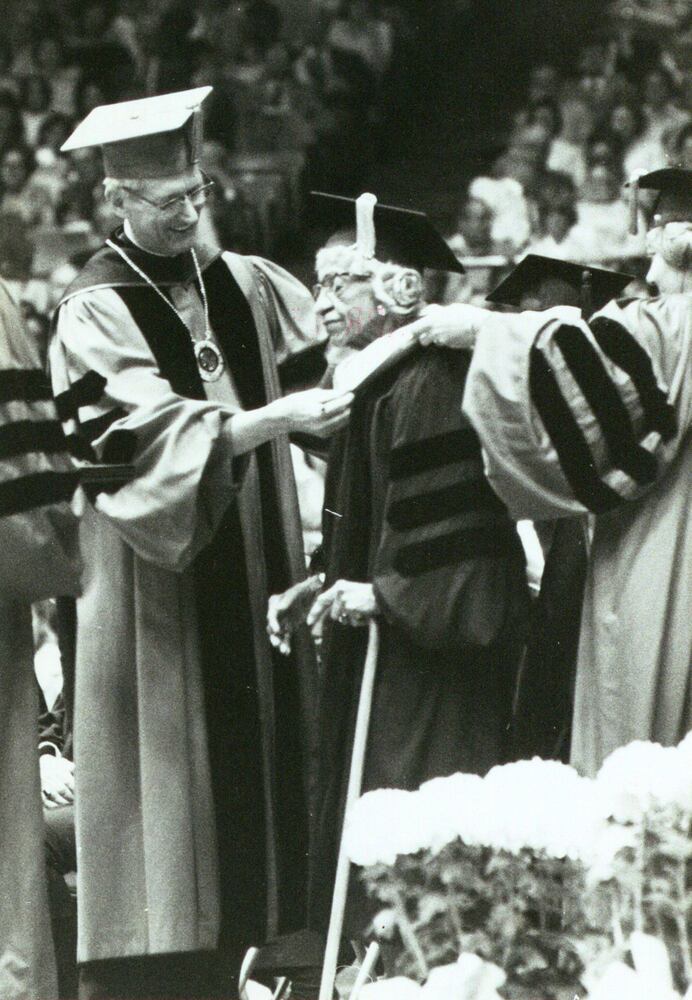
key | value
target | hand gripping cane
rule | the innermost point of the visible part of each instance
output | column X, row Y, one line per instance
column 355, row 780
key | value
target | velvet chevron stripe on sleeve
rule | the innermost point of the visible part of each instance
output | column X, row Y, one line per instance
column 624, row 351
column 37, row 489
column 480, row 541
column 22, row 437
column 433, row 452
column 601, row 394
column 439, row 504
column 573, row 452
column 86, row 391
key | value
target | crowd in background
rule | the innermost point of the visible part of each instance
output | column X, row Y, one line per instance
column 559, row 188
column 290, row 110
column 296, row 109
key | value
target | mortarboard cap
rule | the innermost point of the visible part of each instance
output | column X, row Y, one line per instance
column 674, row 187
column 402, row 235
column 149, row 138
column 555, row 282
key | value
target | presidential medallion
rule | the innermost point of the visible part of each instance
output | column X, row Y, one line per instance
column 209, row 360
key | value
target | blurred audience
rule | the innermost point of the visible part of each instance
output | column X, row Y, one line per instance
column 290, row 111
column 299, row 109
column 574, row 142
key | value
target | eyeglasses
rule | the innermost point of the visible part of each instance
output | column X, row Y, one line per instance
column 197, row 196
column 335, row 284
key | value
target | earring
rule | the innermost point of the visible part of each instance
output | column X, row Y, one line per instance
column 381, row 310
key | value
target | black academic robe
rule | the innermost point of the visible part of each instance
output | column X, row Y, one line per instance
column 408, row 508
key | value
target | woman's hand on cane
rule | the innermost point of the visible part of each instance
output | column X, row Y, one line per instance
column 347, row 602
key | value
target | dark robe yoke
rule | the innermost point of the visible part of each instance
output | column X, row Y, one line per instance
column 191, row 819
column 408, row 508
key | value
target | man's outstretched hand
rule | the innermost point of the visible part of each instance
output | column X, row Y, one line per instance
column 321, row 412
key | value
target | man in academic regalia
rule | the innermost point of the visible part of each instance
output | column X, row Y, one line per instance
column 190, row 808
column 414, row 536
column 595, row 417
column 545, row 692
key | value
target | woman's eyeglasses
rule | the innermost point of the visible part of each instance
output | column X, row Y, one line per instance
column 335, row 284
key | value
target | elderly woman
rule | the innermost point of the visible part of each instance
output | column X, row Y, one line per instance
column 414, row 536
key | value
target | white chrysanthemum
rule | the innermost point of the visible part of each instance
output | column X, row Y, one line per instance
column 382, row 825
column 650, row 978
column 454, row 807
column 683, row 775
column 544, row 806
column 469, row 978
column 607, row 844
column 643, row 776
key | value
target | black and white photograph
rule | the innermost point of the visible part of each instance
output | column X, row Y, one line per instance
column 345, row 500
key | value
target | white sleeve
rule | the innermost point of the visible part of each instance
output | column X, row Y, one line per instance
column 185, row 473
column 577, row 417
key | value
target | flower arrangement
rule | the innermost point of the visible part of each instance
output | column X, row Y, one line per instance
column 534, row 883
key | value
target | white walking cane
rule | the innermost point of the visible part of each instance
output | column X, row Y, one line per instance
column 355, row 781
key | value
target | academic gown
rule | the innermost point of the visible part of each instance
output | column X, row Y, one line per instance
column 190, row 808
column 595, row 418
column 407, row 508
column 40, row 558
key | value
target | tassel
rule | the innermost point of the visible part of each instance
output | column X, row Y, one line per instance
column 365, row 225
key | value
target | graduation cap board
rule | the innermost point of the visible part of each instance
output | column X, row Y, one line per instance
column 150, row 138
column 548, row 282
column 674, row 187
column 403, row 236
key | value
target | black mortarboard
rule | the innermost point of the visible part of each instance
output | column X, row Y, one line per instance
column 674, row 186
column 559, row 282
column 403, row 236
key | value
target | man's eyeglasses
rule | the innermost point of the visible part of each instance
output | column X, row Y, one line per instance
column 197, row 196
column 336, row 283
